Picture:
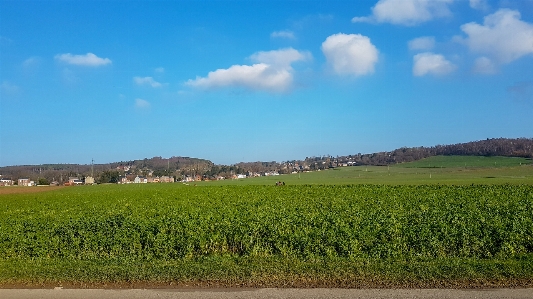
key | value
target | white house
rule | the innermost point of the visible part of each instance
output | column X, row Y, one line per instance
column 140, row 180
column 6, row 182
column 26, row 182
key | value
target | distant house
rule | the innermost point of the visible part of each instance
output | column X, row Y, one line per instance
column 123, row 180
column 89, row 180
column 25, row 182
column 6, row 182
column 241, row 176
column 74, row 181
column 272, row 173
column 140, row 180
column 167, row 179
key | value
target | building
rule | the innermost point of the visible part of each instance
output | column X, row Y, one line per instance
column 166, row 179
column 140, row 180
column 89, row 180
column 74, row 181
column 26, row 182
column 6, row 182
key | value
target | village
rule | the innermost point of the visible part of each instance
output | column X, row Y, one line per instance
column 129, row 179
column 131, row 174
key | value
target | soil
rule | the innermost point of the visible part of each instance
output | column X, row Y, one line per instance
column 34, row 189
column 441, row 284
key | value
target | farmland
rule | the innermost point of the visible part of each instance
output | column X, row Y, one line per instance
column 350, row 235
column 449, row 170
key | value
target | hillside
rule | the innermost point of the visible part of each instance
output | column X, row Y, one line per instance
column 181, row 167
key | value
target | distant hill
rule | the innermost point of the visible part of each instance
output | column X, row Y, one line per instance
column 185, row 166
column 505, row 147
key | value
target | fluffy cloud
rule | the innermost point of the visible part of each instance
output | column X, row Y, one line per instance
column 272, row 72
column 503, row 36
column 88, row 59
column 429, row 63
column 479, row 4
column 422, row 43
column 406, row 12
column 142, row 104
column 350, row 54
column 282, row 34
column 484, row 65
column 147, row 81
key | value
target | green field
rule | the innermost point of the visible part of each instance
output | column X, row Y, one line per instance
column 451, row 170
column 398, row 226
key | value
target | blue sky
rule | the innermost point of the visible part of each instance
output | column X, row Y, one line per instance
column 234, row 81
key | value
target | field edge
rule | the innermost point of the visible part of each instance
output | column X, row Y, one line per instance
column 276, row 272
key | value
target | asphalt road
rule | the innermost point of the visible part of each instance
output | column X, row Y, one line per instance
column 59, row 293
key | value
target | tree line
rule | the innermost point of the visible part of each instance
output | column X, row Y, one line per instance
column 180, row 167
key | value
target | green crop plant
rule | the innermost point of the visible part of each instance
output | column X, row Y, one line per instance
column 319, row 226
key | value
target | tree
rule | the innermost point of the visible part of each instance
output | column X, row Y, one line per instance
column 109, row 176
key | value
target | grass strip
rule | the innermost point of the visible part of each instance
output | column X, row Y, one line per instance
column 269, row 272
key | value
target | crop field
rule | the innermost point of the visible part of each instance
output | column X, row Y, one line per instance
column 363, row 235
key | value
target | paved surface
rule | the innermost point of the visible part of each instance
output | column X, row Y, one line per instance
column 58, row 293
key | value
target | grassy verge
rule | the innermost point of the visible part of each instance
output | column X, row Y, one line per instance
column 271, row 272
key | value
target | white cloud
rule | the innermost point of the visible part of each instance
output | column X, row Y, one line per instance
column 429, row 63
column 272, row 72
column 422, row 43
column 484, row 65
column 281, row 58
column 479, row 4
column 282, row 34
column 142, row 104
column 406, row 12
column 9, row 88
column 146, row 81
column 350, row 54
column 31, row 62
column 503, row 36
column 88, row 59
column 159, row 70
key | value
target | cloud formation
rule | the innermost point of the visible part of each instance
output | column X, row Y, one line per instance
column 430, row 63
column 406, row 12
column 272, row 72
column 88, row 59
column 142, row 104
column 350, row 54
column 479, row 4
column 484, row 65
column 503, row 37
column 422, row 43
column 146, row 81
column 282, row 34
